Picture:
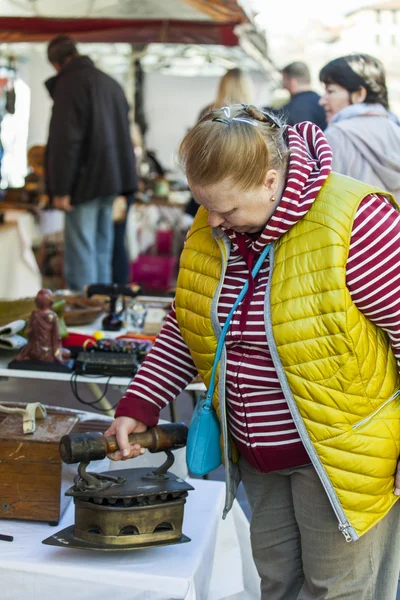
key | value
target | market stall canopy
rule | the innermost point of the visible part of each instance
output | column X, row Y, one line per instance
column 133, row 21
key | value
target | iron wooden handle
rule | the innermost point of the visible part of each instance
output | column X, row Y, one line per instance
column 84, row 447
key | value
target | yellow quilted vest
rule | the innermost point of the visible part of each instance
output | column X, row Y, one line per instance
column 203, row 260
column 336, row 368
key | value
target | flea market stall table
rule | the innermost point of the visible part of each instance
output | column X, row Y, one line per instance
column 215, row 565
column 93, row 383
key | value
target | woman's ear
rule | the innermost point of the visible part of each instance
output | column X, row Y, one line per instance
column 358, row 96
column 271, row 180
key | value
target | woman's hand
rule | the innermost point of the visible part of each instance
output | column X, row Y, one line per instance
column 121, row 428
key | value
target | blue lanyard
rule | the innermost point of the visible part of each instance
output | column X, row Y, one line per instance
column 209, row 394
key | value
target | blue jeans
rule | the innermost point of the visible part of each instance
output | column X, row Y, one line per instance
column 88, row 243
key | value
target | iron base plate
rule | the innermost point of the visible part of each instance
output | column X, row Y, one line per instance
column 66, row 539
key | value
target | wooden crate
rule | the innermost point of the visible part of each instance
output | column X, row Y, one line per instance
column 33, row 478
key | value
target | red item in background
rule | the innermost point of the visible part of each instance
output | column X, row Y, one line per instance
column 154, row 272
column 137, row 336
column 137, row 31
column 76, row 339
column 164, row 241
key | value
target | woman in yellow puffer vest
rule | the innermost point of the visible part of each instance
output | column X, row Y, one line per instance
column 307, row 388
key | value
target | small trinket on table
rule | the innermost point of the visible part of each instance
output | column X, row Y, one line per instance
column 43, row 350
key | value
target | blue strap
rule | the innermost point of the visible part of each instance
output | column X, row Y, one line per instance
column 209, row 394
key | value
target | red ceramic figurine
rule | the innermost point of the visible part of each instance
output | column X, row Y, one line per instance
column 42, row 332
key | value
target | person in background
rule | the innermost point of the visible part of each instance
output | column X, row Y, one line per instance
column 120, row 261
column 235, row 87
column 308, row 383
column 303, row 105
column 89, row 160
column 363, row 133
column 120, row 258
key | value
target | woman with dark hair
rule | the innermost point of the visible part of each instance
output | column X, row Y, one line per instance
column 363, row 133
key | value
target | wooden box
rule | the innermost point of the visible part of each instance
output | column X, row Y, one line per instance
column 33, row 479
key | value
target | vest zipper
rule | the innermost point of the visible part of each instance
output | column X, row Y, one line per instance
column 344, row 530
column 345, row 527
column 369, row 417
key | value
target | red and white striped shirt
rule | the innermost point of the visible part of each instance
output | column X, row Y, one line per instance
column 258, row 415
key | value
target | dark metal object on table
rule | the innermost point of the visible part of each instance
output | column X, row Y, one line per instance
column 86, row 482
column 139, row 508
column 83, row 447
column 108, row 364
column 113, row 320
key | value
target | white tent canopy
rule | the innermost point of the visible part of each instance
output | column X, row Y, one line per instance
column 196, row 38
column 226, row 23
column 101, row 9
column 133, row 21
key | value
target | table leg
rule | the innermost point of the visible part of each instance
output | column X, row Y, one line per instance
column 104, row 403
column 173, row 412
column 195, row 397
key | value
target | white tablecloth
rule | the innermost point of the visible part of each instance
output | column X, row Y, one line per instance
column 19, row 273
column 215, row 565
column 28, row 223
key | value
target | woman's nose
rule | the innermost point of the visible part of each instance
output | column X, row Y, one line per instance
column 322, row 101
column 214, row 219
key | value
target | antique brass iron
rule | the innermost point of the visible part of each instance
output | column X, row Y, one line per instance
column 138, row 508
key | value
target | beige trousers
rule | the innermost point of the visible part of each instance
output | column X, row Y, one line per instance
column 300, row 553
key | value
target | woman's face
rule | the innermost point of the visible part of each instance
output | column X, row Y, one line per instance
column 334, row 99
column 232, row 208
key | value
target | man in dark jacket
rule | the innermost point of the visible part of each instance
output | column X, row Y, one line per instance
column 89, row 160
column 303, row 105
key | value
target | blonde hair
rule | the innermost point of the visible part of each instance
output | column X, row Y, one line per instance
column 238, row 142
column 234, row 87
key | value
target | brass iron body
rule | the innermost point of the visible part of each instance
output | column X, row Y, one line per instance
column 137, row 508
